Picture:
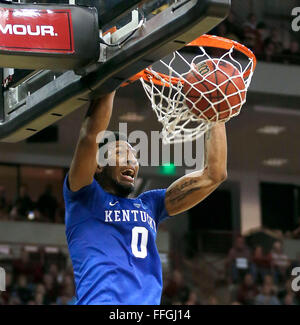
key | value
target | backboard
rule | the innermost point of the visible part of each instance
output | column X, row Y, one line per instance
column 37, row 97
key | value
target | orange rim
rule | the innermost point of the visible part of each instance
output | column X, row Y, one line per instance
column 204, row 40
column 147, row 75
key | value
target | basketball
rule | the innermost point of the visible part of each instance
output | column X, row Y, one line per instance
column 213, row 81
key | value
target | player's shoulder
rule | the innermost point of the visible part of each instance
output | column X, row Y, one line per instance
column 155, row 201
column 153, row 196
column 88, row 191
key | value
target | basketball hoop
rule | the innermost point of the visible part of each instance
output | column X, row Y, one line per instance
column 166, row 90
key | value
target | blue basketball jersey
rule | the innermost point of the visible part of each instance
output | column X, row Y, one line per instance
column 112, row 245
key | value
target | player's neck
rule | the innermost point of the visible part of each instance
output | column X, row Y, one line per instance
column 114, row 189
column 108, row 187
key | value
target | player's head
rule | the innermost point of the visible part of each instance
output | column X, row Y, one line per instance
column 120, row 169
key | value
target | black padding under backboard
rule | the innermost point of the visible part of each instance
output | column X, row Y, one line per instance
column 159, row 36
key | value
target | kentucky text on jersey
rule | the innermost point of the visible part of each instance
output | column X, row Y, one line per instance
column 112, row 245
column 129, row 215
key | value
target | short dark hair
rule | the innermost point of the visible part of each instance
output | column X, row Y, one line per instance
column 112, row 136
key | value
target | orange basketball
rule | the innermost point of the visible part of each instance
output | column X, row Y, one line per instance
column 205, row 78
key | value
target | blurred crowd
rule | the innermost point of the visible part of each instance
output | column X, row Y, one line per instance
column 251, row 277
column 261, row 277
column 45, row 209
column 266, row 42
column 37, row 282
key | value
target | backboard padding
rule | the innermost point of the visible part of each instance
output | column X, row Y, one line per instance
column 164, row 33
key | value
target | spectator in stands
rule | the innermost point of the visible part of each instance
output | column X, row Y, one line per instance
column 23, row 204
column 22, row 290
column 3, row 203
column 175, row 289
column 67, row 280
column 229, row 28
column 269, row 281
column 47, row 204
column 296, row 232
column 289, row 300
column 260, row 37
column 224, row 32
column 234, row 30
column 31, row 302
column 261, row 263
column 67, row 296
column 212, row 300
column 250, row 31
column 269, row 52
column 23, row 265
column 287, row 290
column 263, row 31
column 251, row 22
column 60, row 212
column 238, row 261
column 266, row 43
column 292, row 54
column 39, row 299
column 236, row 303
column 287, row 293
column 14, row 301
column 44, row 292
column 69, row 293
column 266, row 297
column 192, row 299
column 280, row 262
column 40, row 288
column 275, row 39
column 293, row 49
column 38, row 266
column 67, row 284
column 51, row 287
column 295, row 262
column 247, row 291
column 56, row 274
column 176, row 303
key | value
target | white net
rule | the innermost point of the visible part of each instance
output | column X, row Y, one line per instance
column 193, row 92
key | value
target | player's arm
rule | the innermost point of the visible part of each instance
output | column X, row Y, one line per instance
column 191, row 189
column 84, row 164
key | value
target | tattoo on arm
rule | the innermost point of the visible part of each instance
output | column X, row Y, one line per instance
column 206, row 139
column 181, row 196
column 180, row 191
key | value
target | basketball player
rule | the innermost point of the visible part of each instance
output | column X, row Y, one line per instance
column 111, row 237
